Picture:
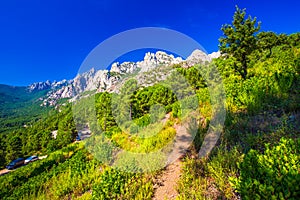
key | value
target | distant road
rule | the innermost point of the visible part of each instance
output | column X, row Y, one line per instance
column 4, row 171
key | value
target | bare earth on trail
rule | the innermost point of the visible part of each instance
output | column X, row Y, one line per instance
column 166, row 183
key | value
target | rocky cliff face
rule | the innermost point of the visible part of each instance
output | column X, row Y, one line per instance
column 160, row 58
column 107, row 80
column 47, row 85
column 214, row 55
column 151, row 61
column 39, row 86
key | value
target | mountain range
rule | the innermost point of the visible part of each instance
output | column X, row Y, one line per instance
column 107, row 80
column 21, row 105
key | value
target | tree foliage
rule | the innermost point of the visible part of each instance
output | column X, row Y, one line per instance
column 239, row 40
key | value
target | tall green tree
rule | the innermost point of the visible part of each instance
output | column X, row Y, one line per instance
column 104, row 110
column 239, row 40
column 122, row 104
column 13, row 148
column 2, row 150
column 66, row 130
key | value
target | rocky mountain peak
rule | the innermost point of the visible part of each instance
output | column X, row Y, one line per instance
column 124, row 68
column 196, row 57
column 38, row 86
column 107, row 80
column 152, row 60
column 214, row 55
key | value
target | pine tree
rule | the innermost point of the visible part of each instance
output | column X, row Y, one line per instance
column 240, row 40
column 13, row 148
column 2, row 150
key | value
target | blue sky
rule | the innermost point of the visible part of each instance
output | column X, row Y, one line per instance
column 43, row 39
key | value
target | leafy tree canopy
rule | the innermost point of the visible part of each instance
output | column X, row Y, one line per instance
column 239, row 40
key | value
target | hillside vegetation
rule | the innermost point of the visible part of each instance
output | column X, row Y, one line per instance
column 18, row 106
column 256, row 157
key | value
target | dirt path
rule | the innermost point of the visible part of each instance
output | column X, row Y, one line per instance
column 165, row 187
column 167, row 182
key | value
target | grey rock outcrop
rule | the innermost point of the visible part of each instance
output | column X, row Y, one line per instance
column 197, row 57
column 214, row 55
column 124, row 68
column 160, row 58
column 39, row 86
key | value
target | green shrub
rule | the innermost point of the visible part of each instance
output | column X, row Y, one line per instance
column 220, row 167
column 176, row 110
column 272, row 175
column 143, row 121
column 111, row 183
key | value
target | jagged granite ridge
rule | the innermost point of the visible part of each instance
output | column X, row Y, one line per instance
column 107, row 80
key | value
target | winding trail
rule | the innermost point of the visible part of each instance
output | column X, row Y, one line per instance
column 166, row 182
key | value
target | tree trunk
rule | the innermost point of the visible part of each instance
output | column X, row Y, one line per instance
column 244, row 67
column 130, row 113
column 104, row 124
